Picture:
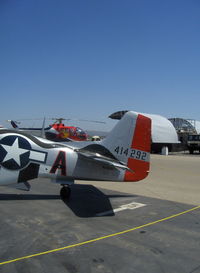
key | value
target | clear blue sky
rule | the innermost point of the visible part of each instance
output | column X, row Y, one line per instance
column 87, row 59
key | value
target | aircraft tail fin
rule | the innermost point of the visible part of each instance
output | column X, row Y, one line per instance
column 14, row 124
column 130, row 143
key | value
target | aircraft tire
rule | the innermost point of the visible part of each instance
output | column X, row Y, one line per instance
column 65, row 192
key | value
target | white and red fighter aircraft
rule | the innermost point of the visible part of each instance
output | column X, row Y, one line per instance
column 124, row 155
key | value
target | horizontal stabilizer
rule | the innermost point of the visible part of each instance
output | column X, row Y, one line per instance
column 95, row 157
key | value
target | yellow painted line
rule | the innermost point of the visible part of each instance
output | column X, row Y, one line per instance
column 100, row 238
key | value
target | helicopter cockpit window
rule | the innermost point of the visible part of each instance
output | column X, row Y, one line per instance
column 80, row 133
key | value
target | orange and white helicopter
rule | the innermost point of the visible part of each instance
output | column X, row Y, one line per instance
column 57, row 131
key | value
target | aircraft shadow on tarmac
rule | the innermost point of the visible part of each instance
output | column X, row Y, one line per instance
column 85, row 200
column 88, row 201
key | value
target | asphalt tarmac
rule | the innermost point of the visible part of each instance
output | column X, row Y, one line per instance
column 151, row 226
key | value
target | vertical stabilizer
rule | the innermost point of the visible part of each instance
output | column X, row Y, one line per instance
column 130, row 143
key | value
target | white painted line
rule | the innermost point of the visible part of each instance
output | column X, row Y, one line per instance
column 132, row 205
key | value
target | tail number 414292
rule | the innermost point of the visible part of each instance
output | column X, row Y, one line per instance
column 132, row 153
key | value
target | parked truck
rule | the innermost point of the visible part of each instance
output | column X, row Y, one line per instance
column 193, row 143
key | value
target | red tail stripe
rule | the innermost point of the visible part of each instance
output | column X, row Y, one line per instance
column 141, row 141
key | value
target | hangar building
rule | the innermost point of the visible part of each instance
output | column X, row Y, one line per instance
column 164, row 134
column 186, row 125
column 188, row 131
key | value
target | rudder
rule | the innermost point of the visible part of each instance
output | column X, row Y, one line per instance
column 130, row 143
column 139, row 160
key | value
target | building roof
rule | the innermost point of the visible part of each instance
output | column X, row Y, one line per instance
column 186, row 125
column 163, row 130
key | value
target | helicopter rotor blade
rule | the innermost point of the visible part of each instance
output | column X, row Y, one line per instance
column 60, row 120
column 95, row 121
column 76, row 119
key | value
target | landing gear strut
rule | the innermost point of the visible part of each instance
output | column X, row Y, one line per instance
column 65, row 192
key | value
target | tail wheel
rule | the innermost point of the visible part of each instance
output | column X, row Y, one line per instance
column 65, row 192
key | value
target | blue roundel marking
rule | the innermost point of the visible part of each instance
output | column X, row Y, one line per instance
column 14, row 152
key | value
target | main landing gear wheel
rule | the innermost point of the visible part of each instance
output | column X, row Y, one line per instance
column 65, row 192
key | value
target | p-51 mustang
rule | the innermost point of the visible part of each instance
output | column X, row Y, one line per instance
column 124, row 155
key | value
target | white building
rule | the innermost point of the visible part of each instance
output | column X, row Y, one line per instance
column 164, row 134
